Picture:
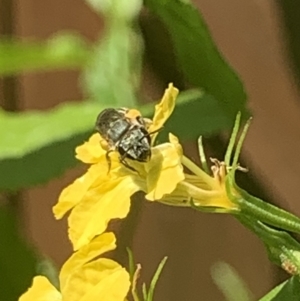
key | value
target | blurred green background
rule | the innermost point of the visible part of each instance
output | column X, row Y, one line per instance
column 62, row 62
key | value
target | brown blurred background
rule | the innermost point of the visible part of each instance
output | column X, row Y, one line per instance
column 250, row 35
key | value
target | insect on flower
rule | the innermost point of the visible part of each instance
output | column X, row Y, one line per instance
column 125, row 131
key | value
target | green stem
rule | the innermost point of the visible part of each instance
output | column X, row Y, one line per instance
column 277, row 242
column 271, row 215
column 155, row 279
column 268, row 235
column 134, row 280
column 210, row 209
column 240, row 144
column 202, row 156
column 170, row 202
column 261, row 210
column 135, row 296
column 232, row 139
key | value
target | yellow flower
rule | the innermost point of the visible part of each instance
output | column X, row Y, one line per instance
column 99, row 196
column 216, row 192
column 206, row 192
column 85, row 277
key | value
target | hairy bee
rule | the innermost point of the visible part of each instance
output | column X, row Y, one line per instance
column 125, row 131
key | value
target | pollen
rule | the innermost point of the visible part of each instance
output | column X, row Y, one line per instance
column 133, row 114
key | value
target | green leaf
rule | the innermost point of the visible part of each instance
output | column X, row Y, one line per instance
column 230, row 283
column 195, row 114
column 289, row 16
column 144, row 291
column 197, row 54
column 155, row 279
column 61, row 51
column 46, row 267
column 286, row 291
column 114, row 69
column 17, row 260
column 38, row 146
column 26, row 132
column 282, row 248
column 131, row 264
column 202, row 156
column 121, row 9
column 232, row 140
column 113, row 72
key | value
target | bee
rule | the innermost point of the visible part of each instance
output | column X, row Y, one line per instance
column 125, row 131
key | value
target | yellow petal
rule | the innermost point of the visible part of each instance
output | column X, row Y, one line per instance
column 41, row 290
column 114, row 287
column 91, row 151
column 218, row 201
column 108, row 201
column 74, row 193
column 164, row 109
column 101, row 244
column 164, row 170
column 175, row 141
column 202, row 195
column 103, row 279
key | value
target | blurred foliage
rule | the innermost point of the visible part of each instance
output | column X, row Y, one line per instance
column 197, row 55
column 290, row 12
column 234, row 288
column 230, row 283
column 61, row 51
column 38, row 146
column 113, row 72
column 17, row 260
column 286, row 291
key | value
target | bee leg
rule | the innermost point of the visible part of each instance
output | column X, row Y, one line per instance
column 124, row 162
column 147, row 122
column 108, row 159
column 154, row 132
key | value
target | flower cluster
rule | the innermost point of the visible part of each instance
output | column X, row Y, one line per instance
column 85, row 276
column 97, row 197
column 100, row 196
column 104, row 193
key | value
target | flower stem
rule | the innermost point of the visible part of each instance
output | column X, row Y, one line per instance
column 202, row 155
column 270, row 214
column 196, row 192
column 240, row 144
column 170, row 202
column 232, row 139
column 279, row 243
column 189, row 164
column 256, row 208
column 134, row 282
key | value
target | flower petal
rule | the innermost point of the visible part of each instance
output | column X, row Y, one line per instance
column 91, row 151
column 107, row 201
column 164, row 109
column 219, row 201
column 103, row 279
column 101, row 244
column 114, row 287
column 41, row 290
column 74, row 193
column 175, row 141
column 164, row 170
